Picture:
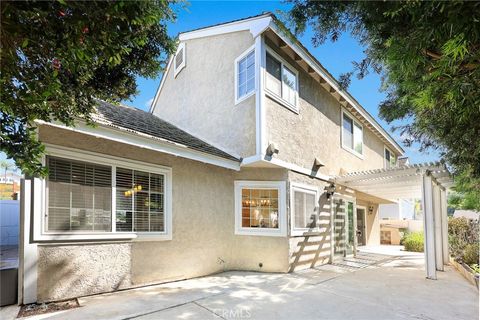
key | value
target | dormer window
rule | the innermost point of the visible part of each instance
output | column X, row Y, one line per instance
column 245, row 75
column 179, row 59
column 281, row 81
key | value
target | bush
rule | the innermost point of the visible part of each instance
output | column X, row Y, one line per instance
column 470, row 254
column 413, row 241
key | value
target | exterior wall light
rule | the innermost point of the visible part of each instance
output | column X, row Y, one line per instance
column 370, row 209
column 330, row 190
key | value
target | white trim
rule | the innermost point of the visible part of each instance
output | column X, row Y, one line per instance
column 177, row 69
column 162, row 82
column 255, row 25
column 147, row 142
column 40, row 230
column 279, row 98
column 364, row 208
column 237, row 60
column 307, row 57
column 354, row 122
column 260, row 110
column 281, row 186
column 305, row 188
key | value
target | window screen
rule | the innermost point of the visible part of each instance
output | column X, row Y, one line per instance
column 79, row 196
column 304, row 210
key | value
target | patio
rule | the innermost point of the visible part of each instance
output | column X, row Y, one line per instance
column 380, row 283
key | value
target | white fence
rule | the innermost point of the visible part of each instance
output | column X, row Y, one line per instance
column 9, row 222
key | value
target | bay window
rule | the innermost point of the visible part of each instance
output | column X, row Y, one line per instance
column 260, row 208
column 95, row 195
column 281, row 80
column 352, row 135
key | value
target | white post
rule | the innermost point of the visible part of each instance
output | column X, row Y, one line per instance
column 428, row 226
column 437, row 219
column 27, row 271
column 332, row 231
column 443, row 204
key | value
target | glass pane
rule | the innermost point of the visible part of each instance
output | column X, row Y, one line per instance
column 273, row 66
column 260, row 208
column 351, row 231
column 299, row 201
column 339, row 226
column 311, row 216
column 347, row 132
column 124, row 214
column 246, row 75
column 290, row 86
column 358, row 138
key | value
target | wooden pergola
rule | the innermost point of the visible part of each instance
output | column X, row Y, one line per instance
column 427, row 181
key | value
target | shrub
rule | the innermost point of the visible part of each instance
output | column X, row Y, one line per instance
column 470, row 254
column 413, row 242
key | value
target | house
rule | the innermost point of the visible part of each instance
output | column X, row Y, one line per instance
column 244, row 162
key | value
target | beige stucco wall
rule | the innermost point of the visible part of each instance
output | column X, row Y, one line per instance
column 203, row 231
column 316, row 131
column 201, row 99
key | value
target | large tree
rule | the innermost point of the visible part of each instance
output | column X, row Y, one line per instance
column 428, row 54
column 58, row 56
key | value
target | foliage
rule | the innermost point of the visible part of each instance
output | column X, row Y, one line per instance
column 58, row 56
column 428, row 54
column 475, row 267
column 413, row 241
column 463, row 239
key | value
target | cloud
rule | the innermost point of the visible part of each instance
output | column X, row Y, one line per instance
column 148, row 103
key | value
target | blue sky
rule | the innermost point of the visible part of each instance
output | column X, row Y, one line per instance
column 336, row 57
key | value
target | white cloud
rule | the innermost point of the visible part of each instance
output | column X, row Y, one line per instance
column 148, row 103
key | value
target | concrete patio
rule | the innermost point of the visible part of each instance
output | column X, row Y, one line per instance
column 381, row 283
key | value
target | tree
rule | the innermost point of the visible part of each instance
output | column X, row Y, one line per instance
column 6, row 166
column 428, row 54
column 58, row 56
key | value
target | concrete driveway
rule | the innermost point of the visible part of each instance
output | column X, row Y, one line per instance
column 378, row 284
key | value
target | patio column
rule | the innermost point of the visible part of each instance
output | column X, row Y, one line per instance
column 437, row 218
column 428, row 226
column 443, row 204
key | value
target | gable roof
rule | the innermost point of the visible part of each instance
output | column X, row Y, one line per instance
column 144, row 123
column 269, row 22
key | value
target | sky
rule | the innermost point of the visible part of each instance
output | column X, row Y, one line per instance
column 336, row 57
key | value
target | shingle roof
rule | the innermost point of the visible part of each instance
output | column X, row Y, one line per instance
column 141, row 122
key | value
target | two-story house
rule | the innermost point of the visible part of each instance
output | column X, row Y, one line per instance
column 233, row 169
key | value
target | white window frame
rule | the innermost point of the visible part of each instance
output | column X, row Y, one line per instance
column 237, row 60
column 354, row 121
column 281, row 186
column 385, row 148
column 305, row 188
column 41, row 233
column 273, row 95
column 177, row 69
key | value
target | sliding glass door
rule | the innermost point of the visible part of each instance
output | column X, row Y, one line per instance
column 343, row 227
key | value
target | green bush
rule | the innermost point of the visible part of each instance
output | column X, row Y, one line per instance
column 470, row 254
column 413, row 241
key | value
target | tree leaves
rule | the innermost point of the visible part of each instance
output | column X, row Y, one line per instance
column 58, row 55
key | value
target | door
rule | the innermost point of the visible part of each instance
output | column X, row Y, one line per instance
column 361, row 227
column 343, row 227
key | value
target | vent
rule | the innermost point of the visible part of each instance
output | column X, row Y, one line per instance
column 179, row 59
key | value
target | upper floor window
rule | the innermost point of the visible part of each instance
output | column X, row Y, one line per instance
column 281, row 80
column 390, row 159
column 245, row 75
column 179, row 60
column 352, row 135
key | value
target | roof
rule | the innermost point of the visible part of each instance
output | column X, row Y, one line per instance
column 144, row 123
column 310, row 59
column 469, row 214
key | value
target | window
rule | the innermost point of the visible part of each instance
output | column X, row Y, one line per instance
column 179, row 59
column 390, row 159
column 281, row 81
column 260, row 208
column 352, row 135
column 245, row 75
column 99, row 195
column 304, row 208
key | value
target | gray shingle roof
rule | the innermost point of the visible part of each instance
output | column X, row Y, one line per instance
column 141, row 122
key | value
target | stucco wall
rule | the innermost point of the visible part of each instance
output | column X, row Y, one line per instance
column 316, row 131
column 312, row 249
column 201, row 99
column 203, row 231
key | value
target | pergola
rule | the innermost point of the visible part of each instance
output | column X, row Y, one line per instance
column 429, row 182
